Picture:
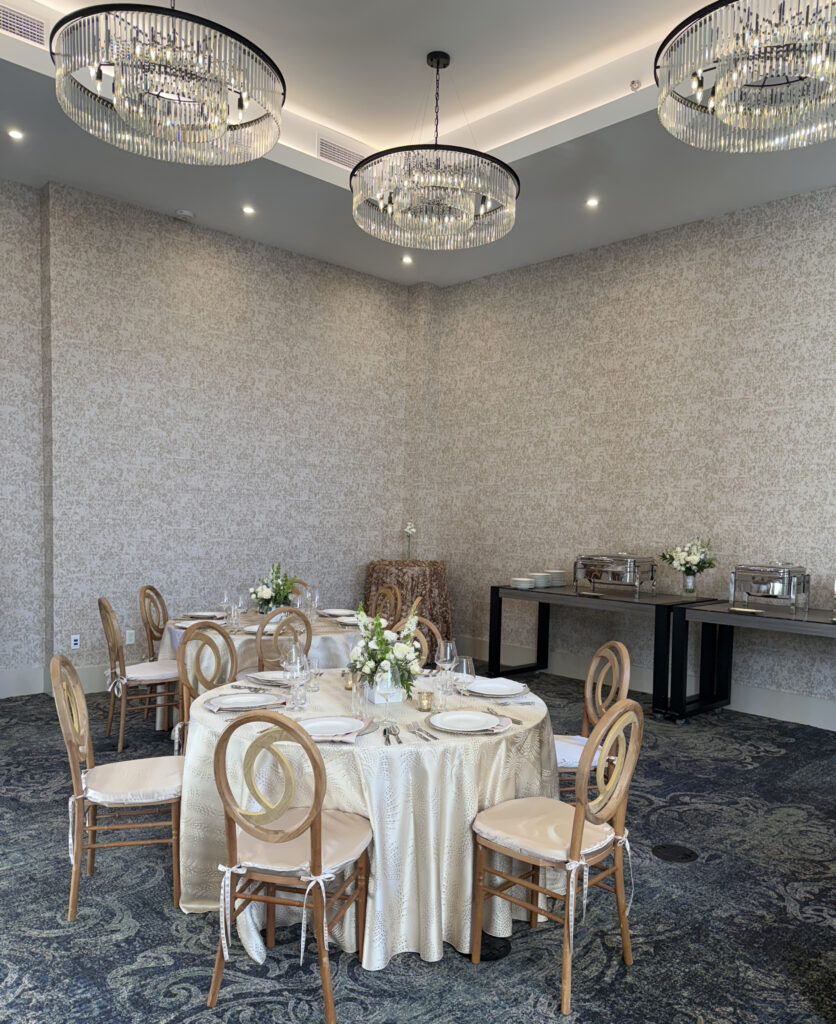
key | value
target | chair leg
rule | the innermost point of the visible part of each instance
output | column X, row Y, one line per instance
column 78, row 853
column 324, row 961
column 621, row 902
column 566, row 974
column 110, row 707
column 175, row 850
column 534, row 876
column 270, row 927
column 147, row 703
column 360, row 906
column 91, row 854
column 478, row 903
column 123, row 709
column 167, row 693
column 217, row 975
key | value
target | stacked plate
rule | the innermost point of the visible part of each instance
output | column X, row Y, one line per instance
column 331, row 727
column 522, row 583
column 492, row 688
column 336, row 613
column 203, row 615
column 245, row 701
column 276, row 677
column 472, row 723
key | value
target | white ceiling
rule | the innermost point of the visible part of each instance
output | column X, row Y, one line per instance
column 568, row 137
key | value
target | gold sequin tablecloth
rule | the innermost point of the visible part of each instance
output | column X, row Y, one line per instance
column 415, row 578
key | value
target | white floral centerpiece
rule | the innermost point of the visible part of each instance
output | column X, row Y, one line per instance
column 380, row 647
column 273, row 590
column 690, row 560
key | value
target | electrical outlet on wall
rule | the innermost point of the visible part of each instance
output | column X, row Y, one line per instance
column 130, row 636
column 75, row 642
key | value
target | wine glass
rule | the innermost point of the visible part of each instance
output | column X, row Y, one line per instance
column 314, row 600
column 466, row 671
column 240, row 608
column 387, row 682
column 445, row 659
column 313, row 683
column 298, row 672
column 227, row 605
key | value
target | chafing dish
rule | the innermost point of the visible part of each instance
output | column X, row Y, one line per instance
column 760, row 589
column 620, row 570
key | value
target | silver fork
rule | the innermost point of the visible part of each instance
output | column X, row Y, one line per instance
column 418, row 731
column 493, row 711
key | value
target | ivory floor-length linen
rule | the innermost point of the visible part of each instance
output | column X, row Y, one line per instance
column 421, row 799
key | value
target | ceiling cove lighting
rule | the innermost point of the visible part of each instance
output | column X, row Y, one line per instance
column 434, row 197
column 757, row 76
column 166, row 84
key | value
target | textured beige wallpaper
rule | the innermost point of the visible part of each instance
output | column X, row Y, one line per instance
column 217, row 404
column 21, row 482
column 678, row 384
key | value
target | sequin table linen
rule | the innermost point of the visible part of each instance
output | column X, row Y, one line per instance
column 421, row 799
column 415, row 578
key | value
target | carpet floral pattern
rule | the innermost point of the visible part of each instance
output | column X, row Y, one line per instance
column 745, row 933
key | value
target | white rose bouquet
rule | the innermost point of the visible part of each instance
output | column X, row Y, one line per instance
column 273, row 590
column 381, row 647
column 692, row 559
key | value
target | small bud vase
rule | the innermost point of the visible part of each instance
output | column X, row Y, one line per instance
column 689, row 585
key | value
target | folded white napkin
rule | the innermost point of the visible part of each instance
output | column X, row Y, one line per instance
column 270, row 701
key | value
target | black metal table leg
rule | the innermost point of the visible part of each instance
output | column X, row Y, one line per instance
column 495, row 634
column 708, row 663
column 543, row 615
column 725, row 650
column 661, row 653
column 679, row 665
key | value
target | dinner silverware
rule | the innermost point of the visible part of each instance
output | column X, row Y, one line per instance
column 425, row 733
column 395, row 731
column 511, row 703
column 493, row 711
column 417, row 732
column 386, row 739
column 248, row 689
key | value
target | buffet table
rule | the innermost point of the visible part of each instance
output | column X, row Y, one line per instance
column 716, row 648
column 659, row 606
column 421, row 798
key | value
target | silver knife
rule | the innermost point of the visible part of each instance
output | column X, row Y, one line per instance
column 386, row 739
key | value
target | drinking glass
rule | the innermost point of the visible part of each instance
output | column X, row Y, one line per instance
column 313, row 684
column 466, row 672
column 445, row 659
column 226, row 606
column 387, row 682
column 240, row 608
column 298, row 672
column 314, row 600
column 358, row 701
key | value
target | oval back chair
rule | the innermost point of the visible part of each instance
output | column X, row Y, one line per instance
column 275, row 839
column 206, row 659
column 154, row 614
column 387, row 602
column 427, row 635
column 607, row 681
column 281, row 625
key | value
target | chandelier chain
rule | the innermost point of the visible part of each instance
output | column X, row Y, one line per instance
column 437, row 74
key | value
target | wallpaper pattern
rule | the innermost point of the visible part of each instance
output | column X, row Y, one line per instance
column 216, row 404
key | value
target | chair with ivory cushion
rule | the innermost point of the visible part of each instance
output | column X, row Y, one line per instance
column 607, row 681
column 573, row 838
column 127, row 789
column 206, row 659
column 149, row 684
column 274, row 847
column 283, row 625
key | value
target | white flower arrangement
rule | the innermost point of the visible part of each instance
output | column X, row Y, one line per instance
column 692, row 559
column 273, row 590
column 409, row 530
column 381, row 647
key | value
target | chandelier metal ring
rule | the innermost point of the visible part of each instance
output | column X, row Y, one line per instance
column 174, row 78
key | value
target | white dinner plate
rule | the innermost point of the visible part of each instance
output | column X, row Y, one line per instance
column 272, row 677
column 336, row 613
column 245, row 701
column 347, row 620
column 268, row 630
column 337, row 725
column 497, row 688
column 204, row 615
column 463, row 721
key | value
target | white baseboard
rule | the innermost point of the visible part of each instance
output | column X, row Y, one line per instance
column 752, row 700
column 21, row 681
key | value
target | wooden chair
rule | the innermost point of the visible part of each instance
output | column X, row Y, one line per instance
column 387, row 602
column 152, row 609
column 427, row 636
column 287, row 624
column 301, row 588
column 545, row 833
column 148, row 685
column 206, row 658
column 291, row 850
column 607, row 681
column 128, row 789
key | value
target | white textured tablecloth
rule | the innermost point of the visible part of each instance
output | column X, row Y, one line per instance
column 421, row 799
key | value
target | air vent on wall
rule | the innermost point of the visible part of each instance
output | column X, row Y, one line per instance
column 340, row 150
column 23, row 26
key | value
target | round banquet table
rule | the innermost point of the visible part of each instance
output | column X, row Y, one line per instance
column 420, row 797
column 331, row 643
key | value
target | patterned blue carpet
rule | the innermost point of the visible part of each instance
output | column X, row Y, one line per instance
column 746, row 933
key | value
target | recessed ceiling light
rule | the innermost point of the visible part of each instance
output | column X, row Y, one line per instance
column 249, row 210
column 592, row 201
column 16, row 134
column 406, row 259
column 184, row 215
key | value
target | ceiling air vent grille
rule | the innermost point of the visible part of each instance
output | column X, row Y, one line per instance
column 21, row 25
column 337, row 152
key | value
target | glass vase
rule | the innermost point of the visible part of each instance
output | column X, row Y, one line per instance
column 689, row 585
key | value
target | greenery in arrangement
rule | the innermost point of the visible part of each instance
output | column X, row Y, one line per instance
column 692, row 559
column 381, row 647
column 409, row 530
column 273, row 590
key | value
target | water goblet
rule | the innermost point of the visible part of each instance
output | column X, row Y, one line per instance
column 466, row 672
column 445, row 659
column 298, row 673
column 313, row 684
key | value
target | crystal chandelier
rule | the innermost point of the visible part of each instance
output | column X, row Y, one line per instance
column 751, row 76
column 432, row 196
column 165, row 84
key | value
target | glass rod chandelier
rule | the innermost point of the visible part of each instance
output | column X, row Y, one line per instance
column 751, row 76
column 434, row 197
column 165, row 84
